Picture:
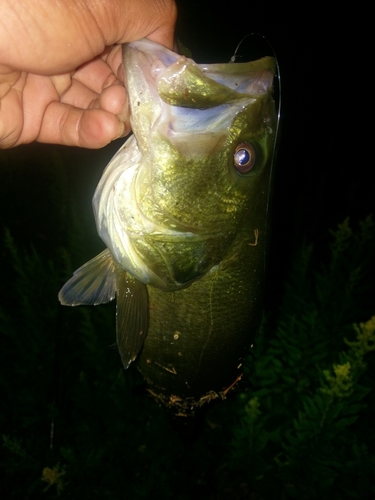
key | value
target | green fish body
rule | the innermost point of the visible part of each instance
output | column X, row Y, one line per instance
column 182, row 208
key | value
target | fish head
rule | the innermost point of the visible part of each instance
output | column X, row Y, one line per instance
column 174, row 199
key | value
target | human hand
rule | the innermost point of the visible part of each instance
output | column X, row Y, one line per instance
column 61, row 67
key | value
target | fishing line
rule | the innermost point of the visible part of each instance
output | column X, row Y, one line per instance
column 277, row 95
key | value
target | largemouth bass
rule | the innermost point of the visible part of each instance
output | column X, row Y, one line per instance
column 182, row 209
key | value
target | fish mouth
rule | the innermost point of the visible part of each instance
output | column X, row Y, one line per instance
column 173, row 95
column 179, row 81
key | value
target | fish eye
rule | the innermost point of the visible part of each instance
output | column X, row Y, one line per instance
column 244, row 157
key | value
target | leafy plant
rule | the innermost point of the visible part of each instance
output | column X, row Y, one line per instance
column 298, row 434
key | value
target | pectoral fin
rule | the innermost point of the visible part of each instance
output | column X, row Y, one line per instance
column 132, row 316
column 100, row 281
column 93, row 283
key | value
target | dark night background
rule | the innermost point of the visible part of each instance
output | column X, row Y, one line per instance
column 323, row 175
